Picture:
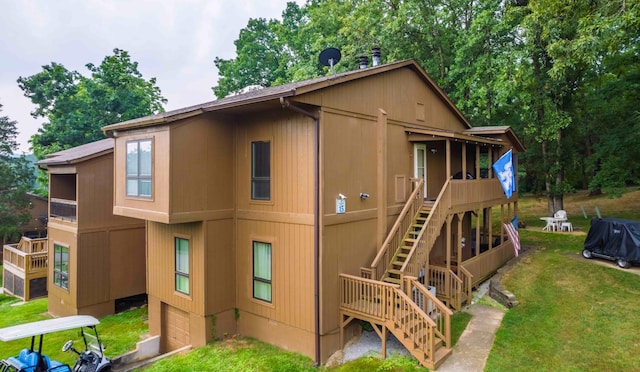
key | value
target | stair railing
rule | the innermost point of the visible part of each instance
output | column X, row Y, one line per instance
column 419, row 254
column 387, row 302
column 432, row 306
column 417, row 328
column 396, row 234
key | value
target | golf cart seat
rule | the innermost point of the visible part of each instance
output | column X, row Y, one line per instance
column 26, row 362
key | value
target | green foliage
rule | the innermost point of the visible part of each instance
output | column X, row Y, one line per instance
column 16, row 179
column 77, row 107
column 563, row 74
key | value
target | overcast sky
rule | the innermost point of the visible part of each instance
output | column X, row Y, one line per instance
column 174, row 41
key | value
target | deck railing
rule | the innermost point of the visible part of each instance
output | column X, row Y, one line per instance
column 448, row 286
column 366, row 296
column 29, row 245
column 396, row 234
column 29, row 263
column 467, row 282
column 387, row 303
column 437, row 311
column 63, row 209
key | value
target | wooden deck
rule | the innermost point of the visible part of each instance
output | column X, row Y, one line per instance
column 25, row 266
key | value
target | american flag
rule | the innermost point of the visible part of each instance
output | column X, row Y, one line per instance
column 513, row 236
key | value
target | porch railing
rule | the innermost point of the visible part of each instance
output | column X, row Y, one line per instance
column 31, row 245
column 396, row 234
column 63, row 209
column 448, row 286
column 467, row 282
column 29, row 263
column 432, row 306
column 466, row 192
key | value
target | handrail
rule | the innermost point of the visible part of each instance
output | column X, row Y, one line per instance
column 389, row 303
column 455, row 286
column 467, row 279
column 411, row 207
column 425, row 241
column 414, row 323
column 431, row 305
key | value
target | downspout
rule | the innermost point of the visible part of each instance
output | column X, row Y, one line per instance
column 316, row 216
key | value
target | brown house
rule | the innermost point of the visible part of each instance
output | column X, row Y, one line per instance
column 95, row 258
column 286, row 212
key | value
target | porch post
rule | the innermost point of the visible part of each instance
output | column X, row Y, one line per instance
column 381, row 190
column 464, row 160
column 477, row 161
column 448, row 156
column 460, row 217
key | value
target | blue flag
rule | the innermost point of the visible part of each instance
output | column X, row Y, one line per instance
column 504, row 170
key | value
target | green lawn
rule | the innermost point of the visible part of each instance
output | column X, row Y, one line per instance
column 119, row 333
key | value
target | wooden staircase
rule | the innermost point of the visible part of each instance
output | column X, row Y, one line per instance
column 393, row 274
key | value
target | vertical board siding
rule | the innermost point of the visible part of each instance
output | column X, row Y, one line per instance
column 127, row 263
column 220, row 268
column 93, row 268
column 161, row 265
column 292, row 176
column 292, row 272
column 202, row 166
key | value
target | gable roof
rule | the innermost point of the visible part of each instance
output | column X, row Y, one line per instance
column 78, row 153
column 283, row 91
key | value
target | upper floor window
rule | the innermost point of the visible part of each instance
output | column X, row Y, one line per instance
column 261, row 170
column 61, row 266
column 139, row 180
column 182, row 265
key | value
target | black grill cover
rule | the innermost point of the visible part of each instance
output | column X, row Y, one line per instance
column 614, row 237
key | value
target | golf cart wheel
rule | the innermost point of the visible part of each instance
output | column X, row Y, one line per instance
column 586, row 253
column 623, row 264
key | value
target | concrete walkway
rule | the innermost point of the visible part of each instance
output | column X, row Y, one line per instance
column 472, row 349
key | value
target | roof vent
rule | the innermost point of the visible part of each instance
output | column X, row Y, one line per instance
column 363, row 62
column 375, row 56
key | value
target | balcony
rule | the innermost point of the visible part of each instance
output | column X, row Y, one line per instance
column 472, row 194
column 63, row 209
column 25, row 268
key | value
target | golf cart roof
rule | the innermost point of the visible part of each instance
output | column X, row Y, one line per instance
column 46, row 326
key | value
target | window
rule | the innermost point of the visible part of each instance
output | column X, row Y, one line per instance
column 262, row 271
column 182, row 265
column 139, row 168
column 261, row 170
column 61, row 266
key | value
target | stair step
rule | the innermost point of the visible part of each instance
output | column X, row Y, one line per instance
column 401, row 255
column 397, row 263
column 392, row 280
column 394, row 271
column 409, row 240
column 417, row 225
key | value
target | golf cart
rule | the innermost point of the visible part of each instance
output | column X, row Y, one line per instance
column 91, row 359
column 613, row 239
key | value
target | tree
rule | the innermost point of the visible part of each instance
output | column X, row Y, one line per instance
column 77, row 107
column 16, row 179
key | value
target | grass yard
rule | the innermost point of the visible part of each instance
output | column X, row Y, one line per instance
column 574, row 315
column 119, row 333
